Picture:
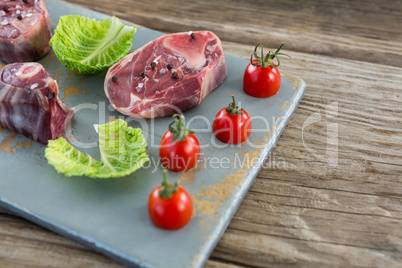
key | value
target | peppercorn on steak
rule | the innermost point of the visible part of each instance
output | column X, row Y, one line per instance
column 168, row 75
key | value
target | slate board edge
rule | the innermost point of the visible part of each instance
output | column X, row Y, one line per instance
column 73, row 235
column 131, row 261
column 249, row 178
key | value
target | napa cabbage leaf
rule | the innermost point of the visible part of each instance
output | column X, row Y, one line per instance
column 87, row 46
column 122, row 151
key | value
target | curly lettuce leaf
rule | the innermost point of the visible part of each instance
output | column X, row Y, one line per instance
column 69, row 161
column 122, row 151
column 88, row 46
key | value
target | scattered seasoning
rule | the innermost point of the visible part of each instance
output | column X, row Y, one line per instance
column 192, row 35
column 169, row 66
column 114, row 79
column 25, row 1
column 19, row 17
column 153, row 65
column 51, row 96
column 174, row 75
column 5, row 8
column 142, row 74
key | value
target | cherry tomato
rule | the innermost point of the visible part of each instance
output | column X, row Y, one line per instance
column 261, row 82
column 170, row 206
column 261, row 77
column 232, row 124
column 179, row 149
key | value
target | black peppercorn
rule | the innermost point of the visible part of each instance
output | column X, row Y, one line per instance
column 142, row 74
column 114, row 79
column 19, row 17
column 5, row 8
column 153, row 65
column 192, row 35
column 169, row 66
column 25, row 1
column 174, row 75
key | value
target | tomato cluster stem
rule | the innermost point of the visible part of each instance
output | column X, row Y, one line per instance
column 268, row 59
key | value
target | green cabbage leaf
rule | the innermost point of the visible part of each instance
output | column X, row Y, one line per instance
column 88, row 46
column 122, row 151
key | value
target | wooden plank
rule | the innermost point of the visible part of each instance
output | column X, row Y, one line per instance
column 304, row 208
column 23, row 244
column 362, row 30
column 301, row 209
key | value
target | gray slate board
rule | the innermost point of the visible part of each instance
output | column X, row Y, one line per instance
column 110, row 216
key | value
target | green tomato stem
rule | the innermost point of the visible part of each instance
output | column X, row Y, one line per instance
column 232, row 109
column 179, row 131
column 167, row 189
column 268, row 59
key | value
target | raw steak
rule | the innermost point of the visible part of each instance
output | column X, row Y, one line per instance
column 25, row 30
column 136, row 89
column 30, row 103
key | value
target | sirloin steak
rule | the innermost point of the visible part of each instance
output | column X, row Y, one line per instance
column 30, row 103
column 168, row 75
column 25, row 30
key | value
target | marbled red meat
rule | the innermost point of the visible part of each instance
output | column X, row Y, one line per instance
column 136, row 89
column 30, row 103
column 25, row 30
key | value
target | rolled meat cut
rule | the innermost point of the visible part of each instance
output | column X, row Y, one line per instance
column 25, row 30
column 30, row 103
column 168, row 75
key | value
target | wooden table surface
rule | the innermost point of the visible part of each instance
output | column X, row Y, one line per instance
column 330, row 194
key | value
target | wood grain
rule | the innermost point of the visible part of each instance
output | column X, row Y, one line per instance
column 362, row 30
column 317, row 202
